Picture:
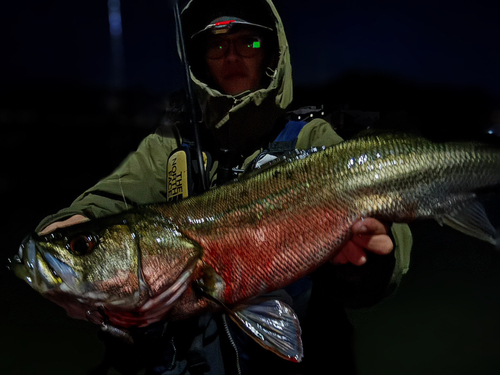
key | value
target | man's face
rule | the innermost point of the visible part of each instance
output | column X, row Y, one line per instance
column 235, row 61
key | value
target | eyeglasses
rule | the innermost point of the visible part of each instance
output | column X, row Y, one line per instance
column 246, row 46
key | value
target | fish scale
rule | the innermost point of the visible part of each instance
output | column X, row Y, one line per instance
column 294, row 200
column 222, row 249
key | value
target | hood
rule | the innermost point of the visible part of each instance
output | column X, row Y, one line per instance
column 241, row 120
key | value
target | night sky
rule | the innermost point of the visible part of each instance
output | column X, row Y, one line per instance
column 70, row 112
column 444, row 42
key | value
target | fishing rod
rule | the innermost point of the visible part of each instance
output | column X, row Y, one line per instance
column 191, row 101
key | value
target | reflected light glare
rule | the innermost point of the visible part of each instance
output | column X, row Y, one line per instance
column 115, row 18
column 114, row 5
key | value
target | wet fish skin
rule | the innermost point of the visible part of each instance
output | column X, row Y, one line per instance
column 124, row 270
column 292, row 208
column 261, row 233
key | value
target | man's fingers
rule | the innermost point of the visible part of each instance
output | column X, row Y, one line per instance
column 372, row 235
column 369, row 226
column 350, row 253
column 367, row 235
column 378, row 244
column 75, row 219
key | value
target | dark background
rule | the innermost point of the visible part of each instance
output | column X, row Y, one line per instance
column 71, row 109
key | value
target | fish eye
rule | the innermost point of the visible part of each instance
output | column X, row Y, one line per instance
column 81, row 244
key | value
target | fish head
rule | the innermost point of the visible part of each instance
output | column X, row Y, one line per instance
column 82, row 267
column 104, row 270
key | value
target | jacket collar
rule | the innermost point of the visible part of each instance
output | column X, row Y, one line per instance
column 247, row 117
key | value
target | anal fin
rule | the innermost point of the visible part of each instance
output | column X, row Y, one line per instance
column 273, row 325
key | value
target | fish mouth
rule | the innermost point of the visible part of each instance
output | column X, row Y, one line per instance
column 58, row 282
column 41, row 270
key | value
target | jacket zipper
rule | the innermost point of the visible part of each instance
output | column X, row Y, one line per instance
column 233, row 344
column 240, row 98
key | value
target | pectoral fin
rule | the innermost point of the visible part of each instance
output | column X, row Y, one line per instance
column 273, row 325
column 270, row 322
column 471, row 219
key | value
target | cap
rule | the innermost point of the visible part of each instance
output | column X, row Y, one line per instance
column 223, row 25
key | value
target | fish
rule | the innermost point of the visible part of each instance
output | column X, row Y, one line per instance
column 227, row 249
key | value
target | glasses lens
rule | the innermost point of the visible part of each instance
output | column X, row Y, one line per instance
column 216, row 48
column 246, row 46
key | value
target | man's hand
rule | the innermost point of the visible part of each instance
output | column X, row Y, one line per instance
column 367, row 235
column 75, row 219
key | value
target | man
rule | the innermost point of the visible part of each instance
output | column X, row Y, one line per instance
column 240, row 67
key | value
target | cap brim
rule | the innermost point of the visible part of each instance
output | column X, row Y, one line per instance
column 224, row 26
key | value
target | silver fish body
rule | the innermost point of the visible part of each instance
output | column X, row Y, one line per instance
column 250, row 237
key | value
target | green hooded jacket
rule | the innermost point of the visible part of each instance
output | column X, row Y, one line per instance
column 235, row 122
